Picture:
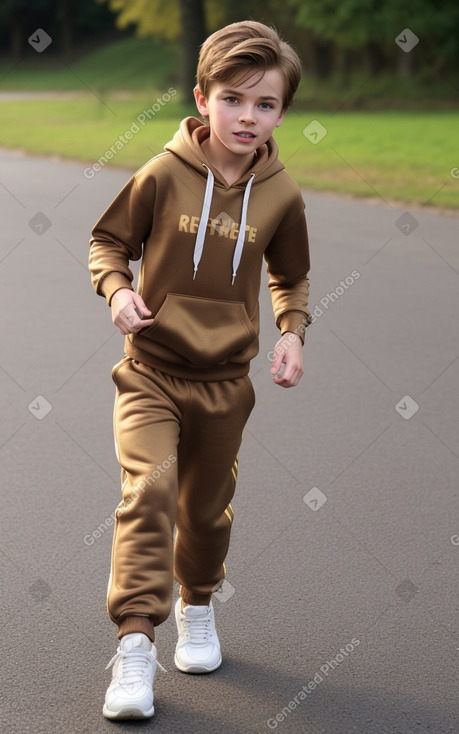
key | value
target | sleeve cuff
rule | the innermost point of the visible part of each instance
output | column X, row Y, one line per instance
column 295, row 321
column 113, row 282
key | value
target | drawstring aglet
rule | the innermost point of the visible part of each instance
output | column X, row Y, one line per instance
column 194, row 273
column 233, row 278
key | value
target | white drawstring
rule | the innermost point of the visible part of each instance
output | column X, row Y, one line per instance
column 241, row 237
column 201, row 234
column 199, row 244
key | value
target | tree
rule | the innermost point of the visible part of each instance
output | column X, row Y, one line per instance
column 66, row 21
column 186, row 21
column 193, row 34
column 368, row 29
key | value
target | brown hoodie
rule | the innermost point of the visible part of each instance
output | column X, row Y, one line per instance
column 202, row 245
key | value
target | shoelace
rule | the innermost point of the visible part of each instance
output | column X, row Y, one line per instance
column 133, row 663
column 197, row 630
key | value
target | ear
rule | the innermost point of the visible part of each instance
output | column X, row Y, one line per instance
column 201, row 103
column 281, row 117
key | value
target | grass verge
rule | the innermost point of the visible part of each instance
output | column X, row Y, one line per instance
column 402, row 156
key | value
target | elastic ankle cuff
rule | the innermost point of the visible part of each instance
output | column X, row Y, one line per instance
column 136, row 623
column 195, row 600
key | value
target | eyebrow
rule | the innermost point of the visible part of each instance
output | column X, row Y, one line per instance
column 240, row 94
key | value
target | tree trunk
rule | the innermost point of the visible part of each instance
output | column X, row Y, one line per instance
column 345, row 66
column 66, row 29
column 406, row 64
column 322, row 58
column 375, row 56
column 193, row 34
column 16, row 38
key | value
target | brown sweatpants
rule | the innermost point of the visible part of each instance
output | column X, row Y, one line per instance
column 177, row 442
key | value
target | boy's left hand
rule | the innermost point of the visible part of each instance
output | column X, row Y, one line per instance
column 288, row 351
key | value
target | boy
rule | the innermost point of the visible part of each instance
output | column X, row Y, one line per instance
column 201, row 215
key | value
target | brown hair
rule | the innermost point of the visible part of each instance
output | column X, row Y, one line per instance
column 241, row 49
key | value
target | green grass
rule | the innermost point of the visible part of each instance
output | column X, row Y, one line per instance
column 401, row 156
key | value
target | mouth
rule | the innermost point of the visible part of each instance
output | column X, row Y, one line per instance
column 244, row 135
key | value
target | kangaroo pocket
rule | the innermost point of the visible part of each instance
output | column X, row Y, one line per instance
column 199, row 332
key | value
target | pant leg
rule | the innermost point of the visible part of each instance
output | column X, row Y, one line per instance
column 211, row 436
column 147, row 427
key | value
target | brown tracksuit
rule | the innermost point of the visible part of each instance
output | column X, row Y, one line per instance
column 183, row 394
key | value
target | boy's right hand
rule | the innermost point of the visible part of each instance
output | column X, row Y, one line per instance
column 126, row 306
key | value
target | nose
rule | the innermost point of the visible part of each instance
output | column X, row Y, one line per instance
column 247, row 115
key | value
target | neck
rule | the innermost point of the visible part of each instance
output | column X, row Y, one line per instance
column 230, row 167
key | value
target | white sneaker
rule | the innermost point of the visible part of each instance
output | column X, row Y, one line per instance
column 198, row 647
column 130, row 694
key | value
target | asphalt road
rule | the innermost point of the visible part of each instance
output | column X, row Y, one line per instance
column 340, row 613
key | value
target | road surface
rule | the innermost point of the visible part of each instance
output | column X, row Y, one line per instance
column 340, row 612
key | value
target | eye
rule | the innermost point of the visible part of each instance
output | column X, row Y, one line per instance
column 266, row 106
column 231, row 99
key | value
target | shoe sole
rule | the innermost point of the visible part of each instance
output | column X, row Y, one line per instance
column 128, row 712
column 195, row 668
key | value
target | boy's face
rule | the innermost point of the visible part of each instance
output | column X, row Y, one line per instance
column 243, row 117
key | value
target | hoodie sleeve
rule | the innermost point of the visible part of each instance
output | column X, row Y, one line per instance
column 287, row 257
column 118, row 237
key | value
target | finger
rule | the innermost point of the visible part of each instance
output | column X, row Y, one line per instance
column 142, row 324
column 279, row 375
column 286, row 373
column 290, row 378
column 141, row 313
column 122, row 328
column 140, row 307
column 127, row 319
column 285, row 383
column 276, row 363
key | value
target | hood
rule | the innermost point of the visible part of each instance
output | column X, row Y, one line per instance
column 187, row 142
